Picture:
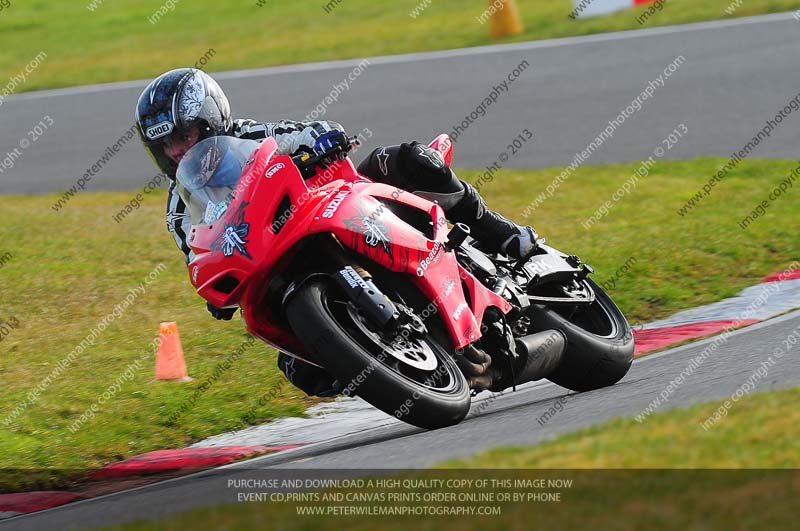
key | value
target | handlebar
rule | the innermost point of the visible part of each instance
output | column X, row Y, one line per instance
column 306, row 161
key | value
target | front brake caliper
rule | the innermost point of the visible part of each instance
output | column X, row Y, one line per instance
column 409, row 319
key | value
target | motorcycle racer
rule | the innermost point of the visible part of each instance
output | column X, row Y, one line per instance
column 183, row 106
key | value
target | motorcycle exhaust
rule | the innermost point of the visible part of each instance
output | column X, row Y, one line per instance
column 474, row 364
column 541, row 354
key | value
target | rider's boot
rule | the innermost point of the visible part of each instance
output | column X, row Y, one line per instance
column 494, row 232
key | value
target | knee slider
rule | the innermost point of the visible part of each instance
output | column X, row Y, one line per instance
column 425, row 167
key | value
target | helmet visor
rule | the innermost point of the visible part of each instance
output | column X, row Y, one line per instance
column 208, row 175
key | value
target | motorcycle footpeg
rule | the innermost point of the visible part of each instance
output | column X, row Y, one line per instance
column 456, row 236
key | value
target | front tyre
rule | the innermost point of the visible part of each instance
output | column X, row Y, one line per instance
column 413, row 378
column 599, row 342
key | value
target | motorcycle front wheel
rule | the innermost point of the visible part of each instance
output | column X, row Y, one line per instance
column 410, row 377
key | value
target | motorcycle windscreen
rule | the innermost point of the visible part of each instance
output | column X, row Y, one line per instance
column 208, row 174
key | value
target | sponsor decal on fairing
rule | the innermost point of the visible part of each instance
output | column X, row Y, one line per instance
column 233, row 237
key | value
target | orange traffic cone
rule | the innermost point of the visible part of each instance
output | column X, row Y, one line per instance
column 169, row 359
column 505, row 18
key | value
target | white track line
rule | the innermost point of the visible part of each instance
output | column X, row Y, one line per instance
column 426, row 56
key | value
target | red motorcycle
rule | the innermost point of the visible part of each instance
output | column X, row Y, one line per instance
column 370, row 283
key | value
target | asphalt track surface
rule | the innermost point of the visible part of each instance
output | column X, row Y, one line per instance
column 511, row 419
column 736, row 75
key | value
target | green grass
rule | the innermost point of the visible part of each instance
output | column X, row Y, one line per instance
column 117, row 42
column 759, row 431
column 70, row 269
column 759, row 434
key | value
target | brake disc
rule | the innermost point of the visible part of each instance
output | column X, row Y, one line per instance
column 415, row 353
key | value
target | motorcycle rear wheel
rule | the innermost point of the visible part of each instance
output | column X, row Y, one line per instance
column 600, row 342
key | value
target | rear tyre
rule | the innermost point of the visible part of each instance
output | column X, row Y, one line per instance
column 413, row 379
column 599, row 342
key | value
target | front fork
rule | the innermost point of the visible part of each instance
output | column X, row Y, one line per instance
column 357, row 284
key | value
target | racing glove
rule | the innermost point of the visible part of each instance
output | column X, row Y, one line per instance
column 327, row 141
column 221, row 313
